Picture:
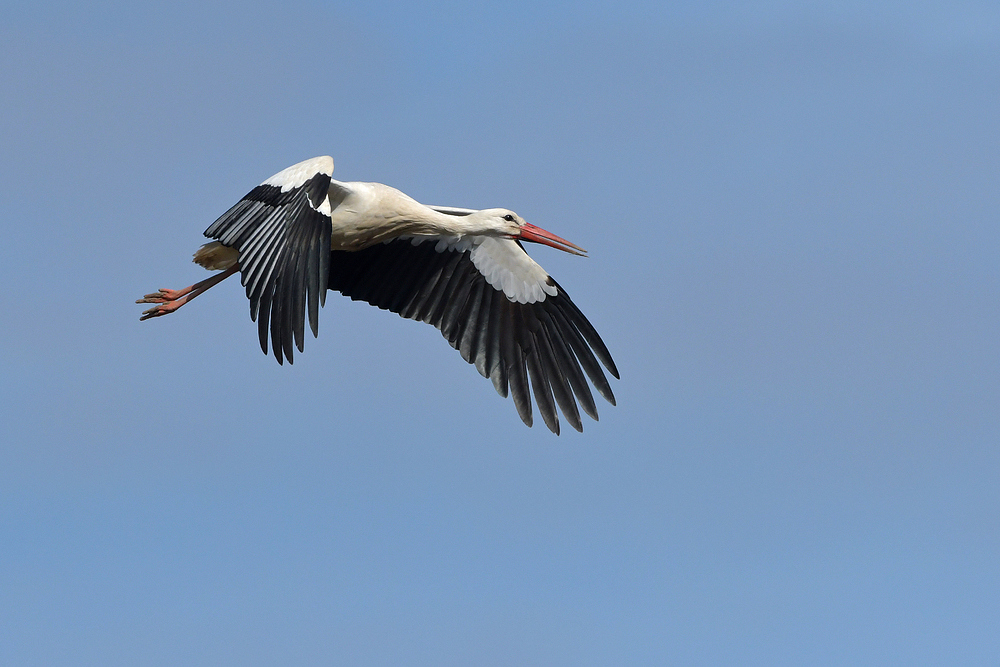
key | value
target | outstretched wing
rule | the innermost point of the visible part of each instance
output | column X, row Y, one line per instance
column 497, row 307
column 282, row 231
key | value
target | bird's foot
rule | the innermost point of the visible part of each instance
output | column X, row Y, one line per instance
column 163, row 308
column 166, row 300
column 169, row 300
column 164, row 295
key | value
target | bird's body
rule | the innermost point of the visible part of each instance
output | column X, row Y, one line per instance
column 371, row 213
column 300, row 233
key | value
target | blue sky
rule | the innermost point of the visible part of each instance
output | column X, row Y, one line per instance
column 791, row 215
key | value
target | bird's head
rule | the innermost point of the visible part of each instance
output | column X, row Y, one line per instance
column 513, row 226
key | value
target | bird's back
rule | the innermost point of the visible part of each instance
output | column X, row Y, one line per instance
column 363, row 214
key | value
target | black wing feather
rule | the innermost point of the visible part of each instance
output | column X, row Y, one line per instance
column 284, row 245
column 547, row 348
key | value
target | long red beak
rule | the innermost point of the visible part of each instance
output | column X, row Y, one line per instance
column 538, row 235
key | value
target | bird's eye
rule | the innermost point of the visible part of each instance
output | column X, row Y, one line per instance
column 509, row 218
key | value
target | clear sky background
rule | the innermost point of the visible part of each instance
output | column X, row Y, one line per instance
column 791, row 209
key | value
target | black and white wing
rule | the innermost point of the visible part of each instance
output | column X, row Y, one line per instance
column 282, row 231
column 497, row 307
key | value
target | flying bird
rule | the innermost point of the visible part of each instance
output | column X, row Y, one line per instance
column 300, row 233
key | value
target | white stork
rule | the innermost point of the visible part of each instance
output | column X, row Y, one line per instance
column 464, row 271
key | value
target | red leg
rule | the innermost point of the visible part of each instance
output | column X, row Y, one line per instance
column 169, row 300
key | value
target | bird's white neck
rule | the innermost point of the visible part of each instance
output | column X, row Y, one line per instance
column 373, row 213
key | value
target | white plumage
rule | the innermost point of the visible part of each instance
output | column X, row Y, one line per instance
column 300, row 233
